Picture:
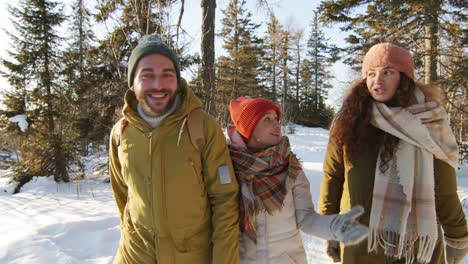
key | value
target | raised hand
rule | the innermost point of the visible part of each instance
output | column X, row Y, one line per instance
column 346, row 229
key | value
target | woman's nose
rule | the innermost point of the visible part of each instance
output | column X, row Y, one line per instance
column 379, row 76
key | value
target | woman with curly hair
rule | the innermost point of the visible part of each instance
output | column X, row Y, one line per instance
column 275, row 199
column 391, row 150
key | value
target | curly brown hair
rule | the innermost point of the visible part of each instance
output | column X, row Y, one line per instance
column 350, row 127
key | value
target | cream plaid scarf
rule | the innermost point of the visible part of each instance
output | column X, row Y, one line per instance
column 403, row 216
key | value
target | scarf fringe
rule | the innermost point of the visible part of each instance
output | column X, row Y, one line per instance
column 398, row 246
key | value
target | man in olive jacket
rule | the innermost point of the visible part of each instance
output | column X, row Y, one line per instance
column 177, row 204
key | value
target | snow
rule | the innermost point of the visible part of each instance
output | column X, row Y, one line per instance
column 21, row 120
column 77, row 222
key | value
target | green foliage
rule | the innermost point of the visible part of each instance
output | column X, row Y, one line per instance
column 314, row 79
column 36, row 91
column 238, row 73
column 271, row 61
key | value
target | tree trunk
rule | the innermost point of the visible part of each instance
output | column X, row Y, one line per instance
column 273, row 88
column 431, row 39
column 208, row 54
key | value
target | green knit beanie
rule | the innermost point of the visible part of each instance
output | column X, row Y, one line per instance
column 150, row 44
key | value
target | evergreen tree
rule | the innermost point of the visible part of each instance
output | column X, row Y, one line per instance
column 316, row 77
column 238, row 73
column 415, row 25
column 317, row 54
column 297, row 61
column 45, row 149
column 80, row 76
column 285, row 58
column 271, row 60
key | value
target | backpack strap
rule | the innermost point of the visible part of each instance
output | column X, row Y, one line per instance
column 195, row 128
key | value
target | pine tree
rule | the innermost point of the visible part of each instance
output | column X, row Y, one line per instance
column 316, row 53
column 413, row 24
column 44, row 150
column 80, row 76
column 298, row 63
column 316, row 77
column 271, row 60
column 285, row 58
column 238, row 73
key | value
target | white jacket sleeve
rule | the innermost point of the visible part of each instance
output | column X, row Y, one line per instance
column 344, row 228
column 307, row 219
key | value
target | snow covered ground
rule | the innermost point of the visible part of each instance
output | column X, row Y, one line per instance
column 77, row 222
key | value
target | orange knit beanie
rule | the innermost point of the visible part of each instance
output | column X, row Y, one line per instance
column 388, row 55
column 246, row 112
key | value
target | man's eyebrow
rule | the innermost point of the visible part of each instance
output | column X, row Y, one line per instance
column 164, row 70
column 146, row 70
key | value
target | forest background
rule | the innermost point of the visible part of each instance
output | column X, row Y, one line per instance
column 65, row 67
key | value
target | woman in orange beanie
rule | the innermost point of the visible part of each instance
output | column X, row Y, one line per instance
column 275, row 200
column 391, row 150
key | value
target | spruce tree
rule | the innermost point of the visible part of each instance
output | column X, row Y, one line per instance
column 316, row 76
column 33, row 72
column 285, row 59
column 297, row 61
column 79, row 75
column 271, row 60
column 415, row 25
column 238, row 73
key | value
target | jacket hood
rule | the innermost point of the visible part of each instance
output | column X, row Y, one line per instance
column 188, row 100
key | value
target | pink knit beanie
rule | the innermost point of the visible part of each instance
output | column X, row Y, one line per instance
column 388, row 55
column 246, row 112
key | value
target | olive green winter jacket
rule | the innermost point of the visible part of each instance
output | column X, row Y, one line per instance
column 344, row 187
column 176, row 205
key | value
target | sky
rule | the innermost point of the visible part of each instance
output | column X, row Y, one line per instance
column 77, row 222
column 295, row 14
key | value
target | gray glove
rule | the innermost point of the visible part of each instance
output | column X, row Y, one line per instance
column 346, row 229
column 333, row 250
column 455, row 250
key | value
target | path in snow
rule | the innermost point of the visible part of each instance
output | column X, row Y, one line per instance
column 77, row 223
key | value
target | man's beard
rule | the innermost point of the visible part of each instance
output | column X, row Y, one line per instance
column 150, row 110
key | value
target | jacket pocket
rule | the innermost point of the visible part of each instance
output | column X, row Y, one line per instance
column 198, row 175
column 185, row 241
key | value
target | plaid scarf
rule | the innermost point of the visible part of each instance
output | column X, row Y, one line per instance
column 403, row 216
column 265, row 178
